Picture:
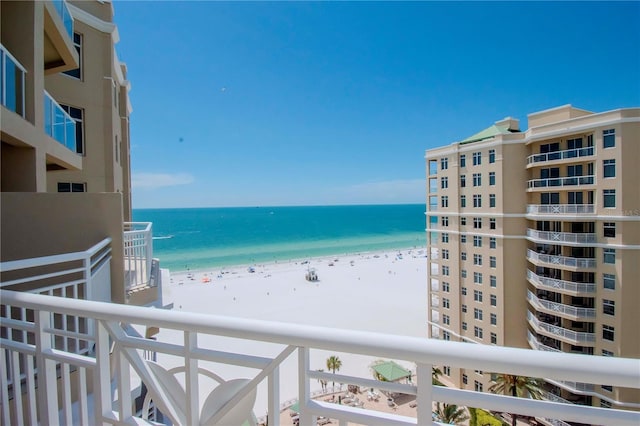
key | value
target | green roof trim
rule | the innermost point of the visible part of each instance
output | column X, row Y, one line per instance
column 487, row 133
column 391, row 371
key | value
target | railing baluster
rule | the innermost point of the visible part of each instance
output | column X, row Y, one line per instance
column 101, row 374
column 83, row 408
column 4, row 387
column 124, row 385
column 17, row 388
column 66, row 393
column 32, row 406
column 48, row 392
column 273, row 404
column 303, row 386
column 191, row 379
column 424, row 397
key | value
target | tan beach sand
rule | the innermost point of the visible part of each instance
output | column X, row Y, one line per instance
column 383, row 292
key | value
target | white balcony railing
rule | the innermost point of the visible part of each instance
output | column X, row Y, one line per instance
column 12, row 82
column 560, row 209
column 560, row 309
column 561, row 181
column 562, row 237
column 138, row 255
column 576, row 337
column 552, row 259
column 561, row 155
column 117, row 355
column 58, row 123
column 537, row 345
column 560, row 285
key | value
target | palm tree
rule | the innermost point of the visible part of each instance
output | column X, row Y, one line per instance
column 435, row 376
column 518, row 386
column 323, row 382
column 334, row 364
column 450, row 414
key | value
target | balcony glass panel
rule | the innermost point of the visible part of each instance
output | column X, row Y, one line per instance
column 63, row 11
column 58, row 124
column 564, row 237
column 560, row 209
column 12, row 81
column 559, row 155
column 563, row 181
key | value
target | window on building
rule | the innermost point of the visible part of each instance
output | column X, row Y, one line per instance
column 444, row 163
column 464, row 308
column 494, row 338
column 445, row 303
column 433, row 186
column 492, row 223
column 463, row 221
column 605, row 404
column 477, row 200
column 445, row 271
column 477, row 295
column 445, row 287
column 477, row 158
column 609, row 281
column 463, row 181
column 477, row 277
column 609, row 197
column 477, row 179
column 433, row 203
column 465, row 379
column 609, row 255
column 493, row 281
column 477, row 241
column 494, row 300
column 446, row 370
column 464, row 325
column 607, row 353
column 72, row 187
column 492, row 178
column 433, row 167
column 492, row 200
column 463, row 201
column 477, row 259
column 445, row 254
column 445, row 237
column 609, row 229
column 492, row 156
column 444, row 182
column 463, row 238
column 608, row 307
column 477, row 222
column 608, row 332
column 607, row 388
column 492, row 242
column 478, row 386
column 477, row 314
column 444, row 201
column 463, row 160
column 77, row 44
column 445, row 319
column 493, row 262
column 463, row 273
column 78, row 116
column 463, row 291
column 609, row 168
column 463, row 255
column 444, row 220
column 477, row 331
column 609, row 138
column 494, row 319
column 446, row 335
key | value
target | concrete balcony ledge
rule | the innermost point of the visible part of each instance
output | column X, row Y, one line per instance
column 559, row 309
column 561, row 209
column 556, row 285
column 556, row 260
column 560, row 155
column 571, row 336
column 191, row 348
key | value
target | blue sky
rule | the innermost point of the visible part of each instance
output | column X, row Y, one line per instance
column 245, row 104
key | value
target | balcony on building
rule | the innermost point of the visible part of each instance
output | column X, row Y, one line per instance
column 59, row 52
column 12, row 80
column 559, row 182
column 572, row 312
column 562, row 237
column 550, row 325
column 556, row 157
column 58, row 124
column 555, row 260
column 575, row 288
column 141, row 270
column 561, row 209
column 100, row 358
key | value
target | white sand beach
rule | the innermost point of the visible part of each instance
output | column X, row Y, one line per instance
column 383, row 292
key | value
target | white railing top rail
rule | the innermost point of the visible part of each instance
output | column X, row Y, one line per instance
column 137, row 226
column 561, row 308
column 562, row 366
column 13, row 59
column 576, row 336
column 583, row 262
column 561, row 208
column 568, row 237
column 561, row 181
column 556, row 284
column 561, row 155
column 35, row 262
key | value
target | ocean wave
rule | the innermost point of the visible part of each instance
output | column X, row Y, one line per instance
column 163, row 237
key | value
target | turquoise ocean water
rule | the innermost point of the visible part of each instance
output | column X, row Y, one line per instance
column 199, row 238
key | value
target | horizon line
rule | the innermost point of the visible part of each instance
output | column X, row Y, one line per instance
column 279, row 206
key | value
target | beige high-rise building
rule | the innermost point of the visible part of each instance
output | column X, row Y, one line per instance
column 534, row 242
column 65, row 170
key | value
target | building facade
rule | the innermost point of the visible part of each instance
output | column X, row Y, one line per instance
column 65, row 153
column 531, row 243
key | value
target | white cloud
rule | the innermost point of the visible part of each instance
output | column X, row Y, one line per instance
column 159, row 180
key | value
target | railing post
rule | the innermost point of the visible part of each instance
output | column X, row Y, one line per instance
column 303, row 386
column 273, row 407
column 48, row 392
column 424, row 398
column 124, row 386
column 102, row 375
column 191, row 378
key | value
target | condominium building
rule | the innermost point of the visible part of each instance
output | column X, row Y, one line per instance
column 534, row 242
column 65, row 176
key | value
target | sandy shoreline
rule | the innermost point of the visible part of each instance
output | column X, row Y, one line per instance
column 375, row 291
